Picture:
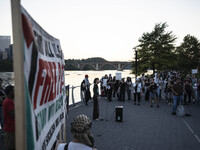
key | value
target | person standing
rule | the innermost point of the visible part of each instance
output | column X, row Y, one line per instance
column 2, row 97
column 115, row 86
column 153, row 94
column 9, row 118
column 83, row 91
column 122, row 87
column 109, row 89
column 188, row 92
column 177, row 91
column 146, row 88
column 87, row 90
column 105, row 81
column 95, row 99
column 136, row 90
column 128, row 87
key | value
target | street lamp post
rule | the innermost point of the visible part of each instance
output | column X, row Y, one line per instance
column 135, row 62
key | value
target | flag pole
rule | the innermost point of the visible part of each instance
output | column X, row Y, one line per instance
column 18, row 65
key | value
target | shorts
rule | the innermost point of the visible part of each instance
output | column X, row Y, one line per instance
column 152, row 95
column 9, row 138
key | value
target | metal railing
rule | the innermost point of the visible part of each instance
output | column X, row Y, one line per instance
column 72, row 99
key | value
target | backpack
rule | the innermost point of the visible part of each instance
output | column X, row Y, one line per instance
column 180, row 112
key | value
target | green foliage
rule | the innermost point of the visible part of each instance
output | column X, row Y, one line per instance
column 188, row 54
column 6, row 65
column 156, row 50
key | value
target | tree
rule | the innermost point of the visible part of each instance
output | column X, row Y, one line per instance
column 6, row 65
column 188, row 54
column 156, row 50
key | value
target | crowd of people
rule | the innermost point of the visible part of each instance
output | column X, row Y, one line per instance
column 171, row 87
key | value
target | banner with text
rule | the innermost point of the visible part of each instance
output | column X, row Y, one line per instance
column 44, row 84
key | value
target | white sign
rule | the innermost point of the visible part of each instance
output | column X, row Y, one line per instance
column 194, row 71
column 118, row 76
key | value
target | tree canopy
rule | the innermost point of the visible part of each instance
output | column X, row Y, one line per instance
column 188, row 54
column 156, row 50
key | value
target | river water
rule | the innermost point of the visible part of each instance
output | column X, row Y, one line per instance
column 74, row 78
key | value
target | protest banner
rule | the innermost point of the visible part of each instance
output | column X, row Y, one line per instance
column 44, row 84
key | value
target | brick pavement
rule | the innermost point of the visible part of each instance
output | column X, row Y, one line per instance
column 143, row 128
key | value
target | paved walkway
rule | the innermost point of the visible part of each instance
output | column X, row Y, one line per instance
column 143, row 127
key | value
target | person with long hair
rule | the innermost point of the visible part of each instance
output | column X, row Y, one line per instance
column 95, row 99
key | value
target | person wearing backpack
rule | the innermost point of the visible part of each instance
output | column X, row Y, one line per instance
column 177, row 90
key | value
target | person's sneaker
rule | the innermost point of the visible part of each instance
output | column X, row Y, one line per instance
column 173, row 113
column 134, row 103
column 157, row 106
column 151, row 105
column 138, row 104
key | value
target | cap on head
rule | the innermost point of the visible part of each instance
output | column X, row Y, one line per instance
column 86, row 76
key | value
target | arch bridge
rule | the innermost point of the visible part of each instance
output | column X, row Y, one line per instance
column 99, row 66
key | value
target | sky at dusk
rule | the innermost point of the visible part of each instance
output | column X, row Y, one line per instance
column 106, row 28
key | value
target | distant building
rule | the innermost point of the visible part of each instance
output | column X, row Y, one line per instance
column 4, row 45
column 3, row 55
column 10, row 51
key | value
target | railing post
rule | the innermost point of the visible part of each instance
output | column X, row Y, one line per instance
column 73, row 95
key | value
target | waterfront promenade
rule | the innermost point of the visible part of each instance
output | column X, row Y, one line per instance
column 143, row 127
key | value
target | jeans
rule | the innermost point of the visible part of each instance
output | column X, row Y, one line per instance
column 129, row 94
column 137, row 95
column 176, row 101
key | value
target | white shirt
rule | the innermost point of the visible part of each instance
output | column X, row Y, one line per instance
column 139, row 86
column 78, row 146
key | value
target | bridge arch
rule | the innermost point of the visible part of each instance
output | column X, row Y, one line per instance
column 87, row 64
column 110, row 64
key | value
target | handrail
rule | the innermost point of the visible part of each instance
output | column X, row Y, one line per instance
column 82, row 94
column 72, row 95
